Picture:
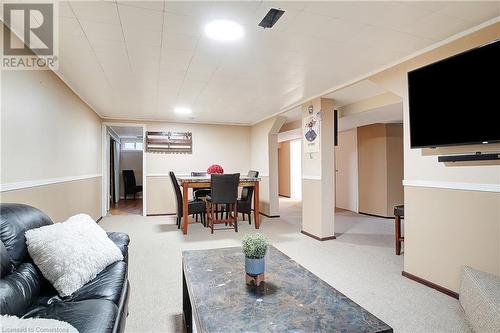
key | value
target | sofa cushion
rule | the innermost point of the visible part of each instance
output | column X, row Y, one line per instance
column 108, row 285
column 15, row 220
column 71, row 253
column 5, row 263
column 86, row 316
column 480, row 299
column 17, row 290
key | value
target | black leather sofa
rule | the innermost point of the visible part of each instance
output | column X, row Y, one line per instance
column 99, row 306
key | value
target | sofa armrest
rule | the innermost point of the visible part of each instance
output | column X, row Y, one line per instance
column 480, row 299
column 121, row 240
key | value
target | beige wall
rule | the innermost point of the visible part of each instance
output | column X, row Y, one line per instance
column 62, row 200
column 291, row 126
column 395, row 166
column 380, row 168
column 49, row 133
column 228, row 146
column 346, row 175
column 439, row 221
column 372, row 166
column 447, row 229
column 130, row 160
column 284, row 168
column 318, row 181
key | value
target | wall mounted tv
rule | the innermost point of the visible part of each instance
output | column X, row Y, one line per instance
column 456, row 101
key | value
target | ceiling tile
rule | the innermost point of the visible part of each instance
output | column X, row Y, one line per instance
column 137, row 37
column 133, row 18
column 472, row 11
column 97, row 30
column 182, row 24
column 190, row 8
column 65, row 10
column 151, row 5
column 96, row 11
column 69, row 26
column 439, row 26
column 141, row 59
column 179, row 41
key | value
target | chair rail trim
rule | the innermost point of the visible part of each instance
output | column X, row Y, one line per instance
column 43, row 182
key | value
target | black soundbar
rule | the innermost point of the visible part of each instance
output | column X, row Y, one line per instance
column 471, row 157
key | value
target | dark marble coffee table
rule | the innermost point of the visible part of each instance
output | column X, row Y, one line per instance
column 292, row 299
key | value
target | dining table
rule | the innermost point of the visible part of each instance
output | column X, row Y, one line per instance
column 188, row 181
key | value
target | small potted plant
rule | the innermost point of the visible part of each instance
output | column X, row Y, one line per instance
column 255, row 248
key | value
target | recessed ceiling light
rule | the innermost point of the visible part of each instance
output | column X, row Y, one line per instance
column 223, row 30
column 182, row 110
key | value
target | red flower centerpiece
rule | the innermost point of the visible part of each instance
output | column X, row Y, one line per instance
column 215, row 168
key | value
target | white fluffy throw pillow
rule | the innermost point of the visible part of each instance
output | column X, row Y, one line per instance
column 15, row 324
column 71, row 253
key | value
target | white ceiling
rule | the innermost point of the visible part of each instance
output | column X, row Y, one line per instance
column 392, row 113
column 138, row 60
column 361, row 90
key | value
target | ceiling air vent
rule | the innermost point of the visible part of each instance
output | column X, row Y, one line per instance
column 271, row 18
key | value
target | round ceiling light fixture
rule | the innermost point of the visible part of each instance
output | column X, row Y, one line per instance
column 224, row 30
column 183, row 110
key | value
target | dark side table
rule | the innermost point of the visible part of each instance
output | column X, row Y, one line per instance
column 399, row 213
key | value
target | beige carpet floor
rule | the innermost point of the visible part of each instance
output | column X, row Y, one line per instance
column 360, row 263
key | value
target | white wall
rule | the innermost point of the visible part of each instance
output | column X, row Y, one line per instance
column 49, row 137
column 228, row 146
column 346, row 176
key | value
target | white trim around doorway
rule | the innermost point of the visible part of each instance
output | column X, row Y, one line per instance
column 104, row 189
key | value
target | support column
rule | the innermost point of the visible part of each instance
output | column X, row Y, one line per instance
column 318, row 177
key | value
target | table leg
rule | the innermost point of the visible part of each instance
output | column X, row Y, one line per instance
column 398, row 234
column 256, row 210
column 185, row 216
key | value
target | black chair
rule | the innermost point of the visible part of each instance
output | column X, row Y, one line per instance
column 129, row 182
column 200, row 193
column 194, row 206
column 224, row 191
column 244, row 205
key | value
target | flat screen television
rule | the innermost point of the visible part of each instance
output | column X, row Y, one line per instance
column 456, row 101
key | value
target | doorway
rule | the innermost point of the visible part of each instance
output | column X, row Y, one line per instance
column 124, row 165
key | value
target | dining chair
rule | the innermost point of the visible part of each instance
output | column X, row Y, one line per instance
column 130, row 186
column 199, row 193
column 244, row 204
column 224, row 192
column 202, row 192
column 194, row 206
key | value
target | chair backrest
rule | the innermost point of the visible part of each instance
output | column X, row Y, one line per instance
column 253, row 173
column 199, row 174
column 178, row 194
column 224, row 188
column 247, row 191
column 129, row 178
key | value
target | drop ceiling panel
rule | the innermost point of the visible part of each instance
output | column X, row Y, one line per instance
column 140, row 59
